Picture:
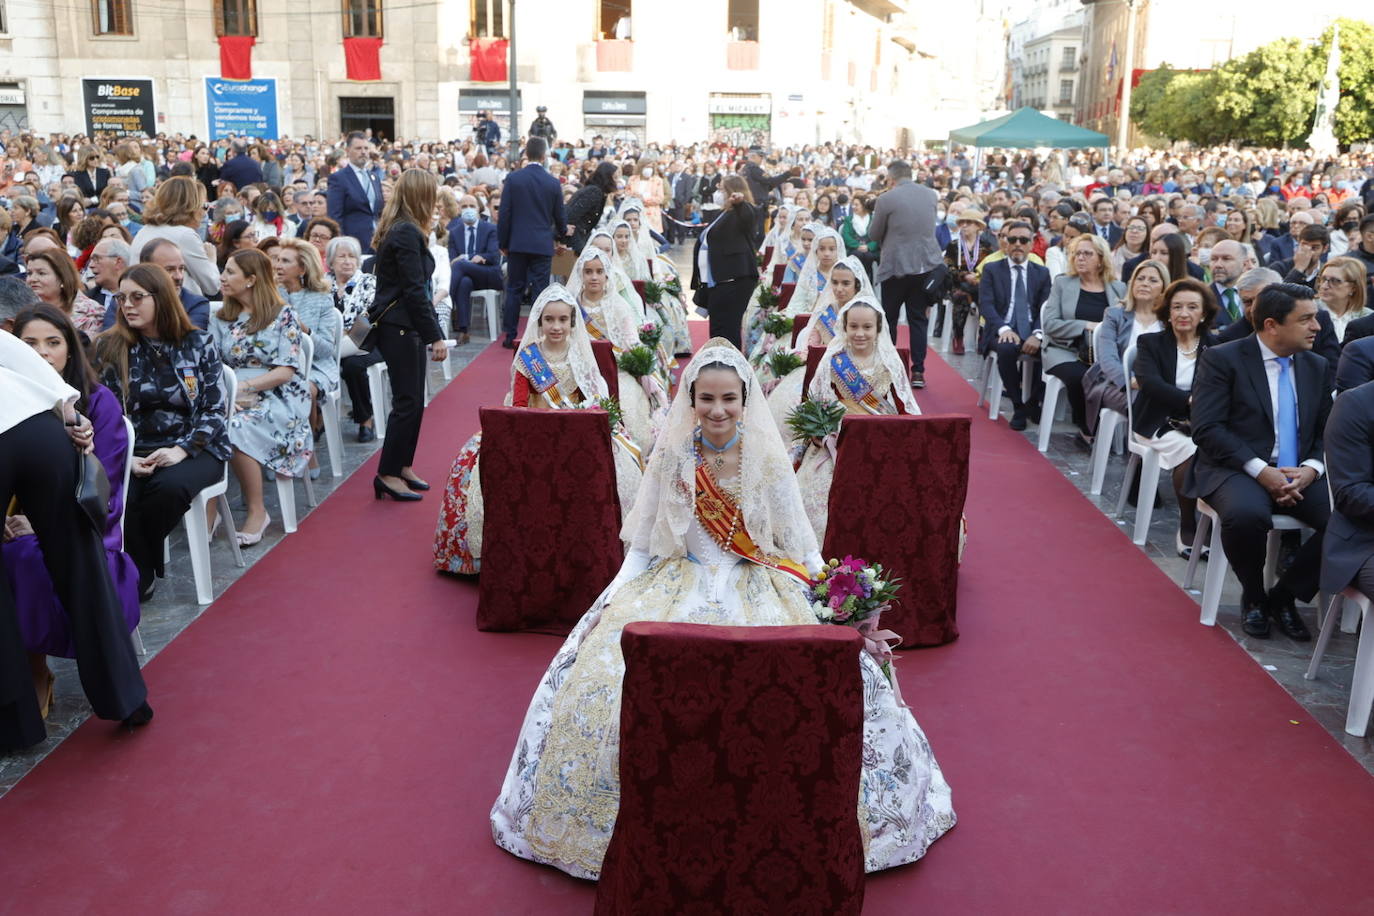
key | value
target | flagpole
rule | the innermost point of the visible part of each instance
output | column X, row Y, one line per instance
column 514, row 95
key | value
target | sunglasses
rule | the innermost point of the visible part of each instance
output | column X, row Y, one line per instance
column 137, row 298
column 1018, row 240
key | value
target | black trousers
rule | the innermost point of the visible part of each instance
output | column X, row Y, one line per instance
column 156, row 505
column 405, row 362
column 522, row 270
column 1245, row 507
column 353, row 371
column 1009, row 368
column 467, row 277
column 38, row 465
column 909, row 291
column 1071, row 374
column 726, row 302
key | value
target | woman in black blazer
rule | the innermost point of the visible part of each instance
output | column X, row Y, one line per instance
column 404, row 314
column 1165, row 362
column 725, row 253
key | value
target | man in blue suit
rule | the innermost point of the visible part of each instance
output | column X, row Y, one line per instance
column 476, row 262
column 165, row 254
column 355, row 193
column 530, row 220
column 1010, row 294
column 1104, row 213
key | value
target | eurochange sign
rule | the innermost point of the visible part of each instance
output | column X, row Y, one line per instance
column 241, row 108
column 122, row 107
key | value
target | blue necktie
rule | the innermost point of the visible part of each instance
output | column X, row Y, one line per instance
column 1287, row 420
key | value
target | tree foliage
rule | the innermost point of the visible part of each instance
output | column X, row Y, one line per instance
column 1267, row 97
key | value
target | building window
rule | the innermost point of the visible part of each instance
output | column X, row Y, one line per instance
column 362, row 18
column 113, row 17
column 613, row 20
column 743, row 20
column 488, row 19
column 1068, row 61
column 1066, row 92
column 236, row 17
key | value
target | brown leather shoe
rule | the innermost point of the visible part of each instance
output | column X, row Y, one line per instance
column 956, row 346
column 918, row 379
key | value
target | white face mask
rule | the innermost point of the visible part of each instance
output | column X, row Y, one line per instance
column 647, row 173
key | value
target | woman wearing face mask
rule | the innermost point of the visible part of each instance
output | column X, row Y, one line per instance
column 652, row 190
column 267, row 217
column 554, row 369
column 43, row 622
column 718, row 535
column 879, row 387
column 1346, row 231
column 1295, row 185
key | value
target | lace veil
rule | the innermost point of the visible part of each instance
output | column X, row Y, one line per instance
column 580, row 357
column 622, row 319
column 808, row 284
column 645, row 242
column 770, row 498
column 827, row 298
column 887, row 355
column 634, row 264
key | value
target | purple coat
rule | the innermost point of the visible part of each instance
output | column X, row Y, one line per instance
column 42, row 619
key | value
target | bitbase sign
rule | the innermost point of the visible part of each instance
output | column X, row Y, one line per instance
column 241, row 108
column 119, row 106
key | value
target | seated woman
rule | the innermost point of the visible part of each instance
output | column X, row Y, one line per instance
column 826, row 250
column 53, row 277
column 1104, row 384
column 798, row 246
column 260, row 338
column 627, row 255
column 554, row 369
column 353, row 292
column 619, row 281
column 862, row 370
column 1076, row 305
column 719, row 457
column 43, row 623
column 847, row 280
column 303, row 286
column 801, row 255
column 168, row 376
column 1165, row 364
column 1341, row 291
column 607, row 316
column 779, row 240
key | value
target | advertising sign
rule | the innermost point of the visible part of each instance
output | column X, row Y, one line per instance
column 243, row 108
column 119, row 106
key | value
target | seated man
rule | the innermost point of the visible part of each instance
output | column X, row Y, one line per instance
column 1348, row 556
column 165, row 254
column 1010, row 294
column 1249, row 286
column 1314, row 244
column 1258, row 416
column 476, row 263
column 109, row 259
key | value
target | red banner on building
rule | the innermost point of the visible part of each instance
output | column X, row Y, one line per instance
column 236, row 57
column 488, row 60
column 363, row 58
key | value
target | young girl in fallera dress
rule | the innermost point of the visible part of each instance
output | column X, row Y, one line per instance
column 718, row 535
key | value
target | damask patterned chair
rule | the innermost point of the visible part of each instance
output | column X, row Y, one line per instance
column 740, row 756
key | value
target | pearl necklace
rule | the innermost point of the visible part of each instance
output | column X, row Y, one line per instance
column 1192, row 351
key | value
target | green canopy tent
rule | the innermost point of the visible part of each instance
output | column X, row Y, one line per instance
column 1027, row 128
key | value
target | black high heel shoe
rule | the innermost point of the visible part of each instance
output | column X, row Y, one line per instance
column 380, row 489
column 419, row 485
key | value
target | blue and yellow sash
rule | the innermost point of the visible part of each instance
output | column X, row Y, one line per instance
column 536, row 368
column 853, row 386
column 828, row 318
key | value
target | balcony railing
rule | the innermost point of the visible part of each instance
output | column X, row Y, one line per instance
column 1069, row 67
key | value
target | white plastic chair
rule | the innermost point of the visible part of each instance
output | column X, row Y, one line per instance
column 197, row 530
column 1108, row 422
column 1147, row 459
column 490, row 299
column 379, row 392
column 1216, row 560
column 124, row 511
column 990, row 382
column 331, row 408
column 286, row 493
column 1362, row 688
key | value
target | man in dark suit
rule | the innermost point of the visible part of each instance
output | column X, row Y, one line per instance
column 355, row 192
column 1281, row 247
column 760, row 185
column 1356, row 366
column 1259, row 408
column 530, row 220
column 1248, row 286
column 1104, row 225
column 476, row 261
column 242, row 169
column 1314, row 243
column 1010, row 295
column 1228, row 264
column 166, row 254
column 1347, row 553
column 681, row 184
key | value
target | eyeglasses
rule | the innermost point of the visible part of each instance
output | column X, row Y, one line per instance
column 121, row 298
column 1331, row 281
column 1018, row 240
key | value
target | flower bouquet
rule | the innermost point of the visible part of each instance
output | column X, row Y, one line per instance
column 608, row 404
column 853, row 592
column 777, row 325
column 783, row 361
column 815, row 419
column 653, row 292
column 674, row 287
column 768, row 299
column 649, row 335
column 637, row 361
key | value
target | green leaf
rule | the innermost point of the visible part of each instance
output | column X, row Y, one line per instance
column 637, row 361
column 783, row 361
column 813, row 419
column 777, row 324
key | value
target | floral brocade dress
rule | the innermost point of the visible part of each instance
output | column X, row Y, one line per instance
column 458, row 537
column 274, row 430
column 787, row 394
column 816, row 470
column 635, row 406
column 561, row 794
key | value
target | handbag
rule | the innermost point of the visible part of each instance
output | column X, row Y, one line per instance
column 1086, row 356
column 92, row 490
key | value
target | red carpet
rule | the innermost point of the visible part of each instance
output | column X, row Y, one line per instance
column 331, row 734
